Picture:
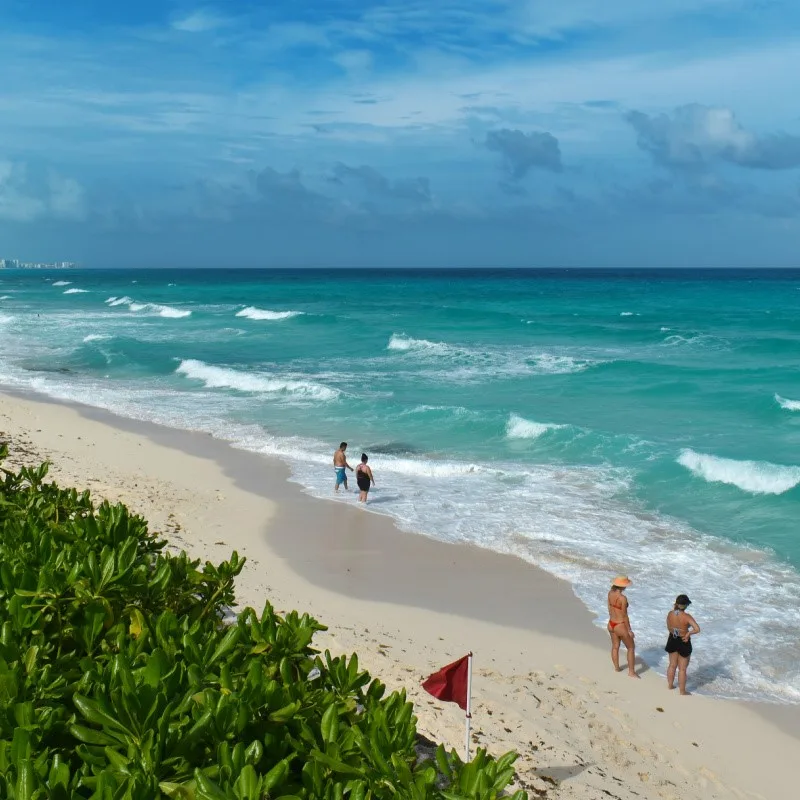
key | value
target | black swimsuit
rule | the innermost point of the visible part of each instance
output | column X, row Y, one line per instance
column 362, row 479
column 675, row 644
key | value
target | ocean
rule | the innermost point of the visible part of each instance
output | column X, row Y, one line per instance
column 589, row 422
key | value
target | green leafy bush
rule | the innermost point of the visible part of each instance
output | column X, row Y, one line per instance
column 119, row 680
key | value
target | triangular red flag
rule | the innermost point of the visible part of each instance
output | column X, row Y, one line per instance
column 450, row 683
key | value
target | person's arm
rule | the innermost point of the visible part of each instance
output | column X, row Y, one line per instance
column 347, row 465
column 371, row 476
column 694, row 628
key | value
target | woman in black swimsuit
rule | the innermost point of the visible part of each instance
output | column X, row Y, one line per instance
column 681, row 627
column 364, row 478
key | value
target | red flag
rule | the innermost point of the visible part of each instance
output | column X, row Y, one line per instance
column 450, row 683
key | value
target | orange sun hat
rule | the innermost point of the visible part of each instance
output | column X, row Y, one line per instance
column 621, row 581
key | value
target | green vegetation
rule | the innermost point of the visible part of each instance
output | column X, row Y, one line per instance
column 119, row 680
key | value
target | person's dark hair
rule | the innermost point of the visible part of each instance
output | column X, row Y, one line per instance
column 343, row 445
column 364, row 458
column 682, row 601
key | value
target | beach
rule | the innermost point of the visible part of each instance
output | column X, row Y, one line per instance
column 407, row 604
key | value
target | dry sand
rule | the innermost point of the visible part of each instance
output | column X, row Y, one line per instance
column 543, row 682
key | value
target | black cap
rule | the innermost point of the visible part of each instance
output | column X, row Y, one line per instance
column 682, row 600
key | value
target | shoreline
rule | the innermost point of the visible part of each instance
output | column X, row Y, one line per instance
column 372, row 583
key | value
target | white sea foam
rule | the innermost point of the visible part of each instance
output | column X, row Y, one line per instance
column 253, row 382
column 758, row 477
column 75, row 291
column 469, row 364
column 789, row 405
column 62, row 283
column 627, row 314
column 5, row 319
column 403, row 343
column 520, row 428
column 251, row 312
column 170, row 312
column 5, row 297
column 96, row 337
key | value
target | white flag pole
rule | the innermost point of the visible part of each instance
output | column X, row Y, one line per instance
column 469, row 705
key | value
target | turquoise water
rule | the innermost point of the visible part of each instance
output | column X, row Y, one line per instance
column 592, row 423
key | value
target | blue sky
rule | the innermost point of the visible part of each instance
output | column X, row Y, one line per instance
column 449, row 133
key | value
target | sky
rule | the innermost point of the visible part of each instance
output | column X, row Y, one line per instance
column 336, row 133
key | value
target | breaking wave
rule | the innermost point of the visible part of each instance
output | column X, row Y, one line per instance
column 96, row 337
column 253, row 382
column 403, row 343
column 170, row 312
column 468, row 364
column 757, row 477
column 251, row 312
column 62, row 283
column 789, row 405
column 75, row 291
column 521, row 428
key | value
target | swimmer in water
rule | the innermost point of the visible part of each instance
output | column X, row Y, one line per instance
column 364, row 478
column 341, row 466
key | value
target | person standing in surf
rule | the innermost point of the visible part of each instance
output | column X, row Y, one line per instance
column 619, row 625
column 364, row 478
column 681, row 627
column 341, row 466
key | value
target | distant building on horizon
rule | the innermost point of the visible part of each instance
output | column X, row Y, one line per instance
column 15, row 263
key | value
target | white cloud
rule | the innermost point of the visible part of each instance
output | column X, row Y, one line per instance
column 199, row 21
column 694, row 136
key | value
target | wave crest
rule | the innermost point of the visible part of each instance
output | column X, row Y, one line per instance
column 251, row 312
column 757, row 477
column 75, row 291
column 253, row 382
column 403, row 343
column 170, row 312
column 520, row 428
column 62, row 283
column 789, row 405
column 96, row 337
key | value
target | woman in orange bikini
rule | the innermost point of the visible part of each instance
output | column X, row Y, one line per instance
column 619, row 626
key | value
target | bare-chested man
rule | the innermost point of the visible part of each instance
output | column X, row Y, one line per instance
column 340, row 465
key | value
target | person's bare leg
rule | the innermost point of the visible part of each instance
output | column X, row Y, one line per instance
column 627, row 640
column 673, row 665
column 615, row 651
column 683, row 665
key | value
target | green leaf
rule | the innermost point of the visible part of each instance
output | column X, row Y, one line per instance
column 330, row 724
column 335, row 764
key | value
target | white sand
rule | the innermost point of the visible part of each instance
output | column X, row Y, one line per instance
column 543, row 682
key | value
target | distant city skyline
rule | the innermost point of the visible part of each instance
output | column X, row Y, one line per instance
column 16, row 263
column 507, row 133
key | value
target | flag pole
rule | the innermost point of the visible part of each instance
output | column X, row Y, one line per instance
column 469, row 705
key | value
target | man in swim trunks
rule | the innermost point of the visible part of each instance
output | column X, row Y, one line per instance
column 340, row 465
column 619, row 626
